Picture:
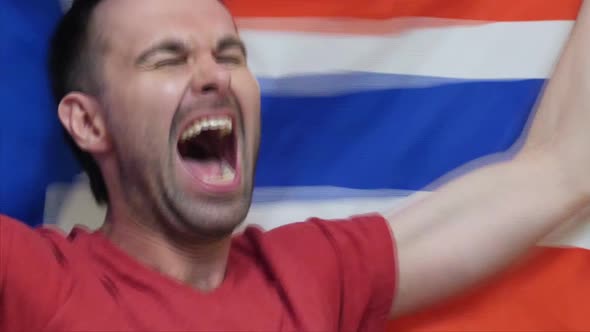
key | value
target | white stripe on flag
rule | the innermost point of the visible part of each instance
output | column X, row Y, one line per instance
column 69, row 205
column 513, row 50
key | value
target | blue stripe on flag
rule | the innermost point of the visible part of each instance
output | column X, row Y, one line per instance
column 400, row 138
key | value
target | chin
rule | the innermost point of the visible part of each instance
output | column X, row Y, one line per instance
column 211, row 218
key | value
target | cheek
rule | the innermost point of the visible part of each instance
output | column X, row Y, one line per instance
column 156, row 100
column 143, row 111
column 247, row 91
column 171, row 89
column 157, row 97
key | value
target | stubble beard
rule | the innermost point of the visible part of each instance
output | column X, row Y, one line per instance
column 153, row 188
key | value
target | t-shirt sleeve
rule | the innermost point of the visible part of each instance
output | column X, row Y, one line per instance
column 30, row 277
column 340, row 271
column 365, row 250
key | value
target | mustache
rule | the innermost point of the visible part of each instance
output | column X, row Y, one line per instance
column 206, row 102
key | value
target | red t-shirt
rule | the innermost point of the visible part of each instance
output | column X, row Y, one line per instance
column 312, row 276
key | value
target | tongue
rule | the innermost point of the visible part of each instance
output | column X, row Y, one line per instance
column 204, row 170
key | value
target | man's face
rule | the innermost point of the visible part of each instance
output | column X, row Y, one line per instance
column 182, row 110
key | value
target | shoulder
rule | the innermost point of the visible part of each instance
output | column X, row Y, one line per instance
column 319, row 227
column 342, row 268
column 35, row 273
column 316, row 235
column 25, row 241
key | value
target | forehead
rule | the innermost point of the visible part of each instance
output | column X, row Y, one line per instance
column 137, row 23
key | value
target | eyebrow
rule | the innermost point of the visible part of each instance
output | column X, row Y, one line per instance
column 166, row 45
column 180, row 46
column 231, row 42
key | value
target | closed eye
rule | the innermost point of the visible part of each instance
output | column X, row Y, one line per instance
column 170, row 62
column 168, row 52
column 230, row 59
column 231, row 51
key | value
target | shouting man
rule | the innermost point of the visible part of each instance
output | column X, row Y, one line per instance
column 160, row 107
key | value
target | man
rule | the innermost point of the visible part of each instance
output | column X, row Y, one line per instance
column 165, row 117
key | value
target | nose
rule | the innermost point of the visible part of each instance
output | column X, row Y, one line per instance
column 209, row 77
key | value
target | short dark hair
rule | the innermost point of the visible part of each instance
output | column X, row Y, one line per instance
column 71, row 65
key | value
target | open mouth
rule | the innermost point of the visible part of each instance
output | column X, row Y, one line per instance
column 208, row 150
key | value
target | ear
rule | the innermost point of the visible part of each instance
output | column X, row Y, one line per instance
column 81, row 116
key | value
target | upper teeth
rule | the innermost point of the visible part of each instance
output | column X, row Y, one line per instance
column 223, row 124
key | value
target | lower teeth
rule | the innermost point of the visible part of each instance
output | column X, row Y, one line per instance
column 227, row 174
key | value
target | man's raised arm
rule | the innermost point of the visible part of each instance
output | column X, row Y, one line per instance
column 480, row 222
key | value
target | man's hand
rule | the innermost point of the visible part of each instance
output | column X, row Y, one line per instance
column 478, row 223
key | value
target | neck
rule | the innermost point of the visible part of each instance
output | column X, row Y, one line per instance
column 201, row 264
